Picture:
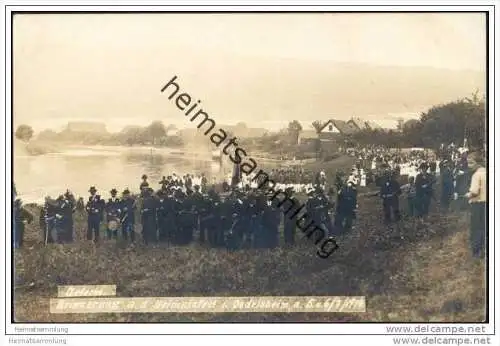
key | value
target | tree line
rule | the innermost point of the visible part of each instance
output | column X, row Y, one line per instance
column 442, row 124
column 154, row 134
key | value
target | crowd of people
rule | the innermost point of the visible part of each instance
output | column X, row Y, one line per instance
column 245, row 214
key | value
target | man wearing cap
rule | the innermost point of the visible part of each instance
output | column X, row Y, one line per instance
column 162, row 215
column 64, row 217
column 94, row 214
column 113, row 212
column 423, row 191
column 21, row 217
column 69, row 208
column 390, row 191
column 144, row 184
column 446, row 186
column 47, row 220
column 215, row 231
column 477, row 199
column 289, row 217
column 128, row 207
column 148, row 216
column 346, row 207
column 164, row 185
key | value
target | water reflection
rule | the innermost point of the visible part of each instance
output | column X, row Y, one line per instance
column 39, row 176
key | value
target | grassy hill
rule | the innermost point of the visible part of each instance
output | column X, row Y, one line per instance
column 409, row 273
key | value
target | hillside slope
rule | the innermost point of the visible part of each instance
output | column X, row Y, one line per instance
column 411, row 273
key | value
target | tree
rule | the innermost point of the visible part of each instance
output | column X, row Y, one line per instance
column 294, row 128
column 156, row 130
column 24, row 132
column 453, row 122
column 170, row 127
column 318, row 126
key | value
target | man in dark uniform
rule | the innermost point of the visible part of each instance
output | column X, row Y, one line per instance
column 424, row 192
column 188, row 183
column 176, row 207
column 390, row 190
column 162, row 216
column 316, row 207
column 205, row 208
column 262, row 221
column 204, row 183
column 48, row 220
column 289, row 217
column 113, row 213
column 164, row 184
column 21, row 217
column 148, row 216
column 446, row 186
column 274, row 224
column 68, row 210
column 144, row 184
column 330, row 201
column 128, row 208
column 461, row 182
column 235, row 212
column 215, row 233
column 346, row 207
column 60, row 221
column 188, row 218
column 199, row 210
column 94, row 215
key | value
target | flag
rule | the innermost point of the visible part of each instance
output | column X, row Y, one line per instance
column 236, row 175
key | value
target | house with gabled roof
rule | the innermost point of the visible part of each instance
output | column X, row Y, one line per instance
column 359, row 123
column 337, row 127
column 373, row 125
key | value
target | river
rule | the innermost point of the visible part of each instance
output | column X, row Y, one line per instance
column 78, row 168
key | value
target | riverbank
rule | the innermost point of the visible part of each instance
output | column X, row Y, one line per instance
column 411, row 273
column 33, row 148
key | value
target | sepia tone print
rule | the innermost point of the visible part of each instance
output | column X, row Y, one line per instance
column 241, row 157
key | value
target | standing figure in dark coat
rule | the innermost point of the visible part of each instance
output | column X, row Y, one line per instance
column 236, row 213
column 189, row 219
column 94, row 215
column 60, row 220
column 48, row 220
column 144, row 184
column 148, row 216
column 462, row 178
column 346, row 208
column 424, row 191
column 290, row 218
column 204, row 183
column 390, row 190
column 447, row 187
column 162, row 216
column 274, row 224
column 260, row 221
column 215, row 230
column 113, row 214
column 128, row 208
column 69, row 208
column 198, row 207
column 21, row 217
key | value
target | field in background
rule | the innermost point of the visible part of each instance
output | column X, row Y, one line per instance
column 409, row 273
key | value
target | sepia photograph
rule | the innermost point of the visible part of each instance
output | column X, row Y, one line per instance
column 327, row 167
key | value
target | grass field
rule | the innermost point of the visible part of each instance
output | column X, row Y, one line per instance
column 409, row 273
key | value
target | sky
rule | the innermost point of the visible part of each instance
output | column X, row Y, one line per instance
column 110, row 67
